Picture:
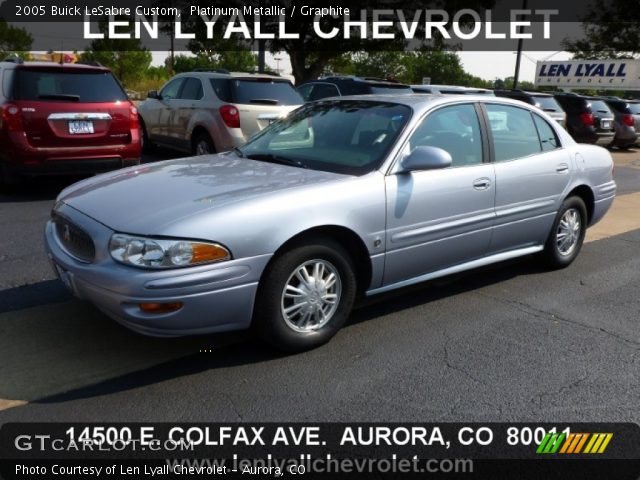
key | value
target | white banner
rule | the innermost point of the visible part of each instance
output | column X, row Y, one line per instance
column 589, row 74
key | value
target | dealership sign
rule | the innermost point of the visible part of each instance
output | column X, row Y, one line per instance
column 600, row 74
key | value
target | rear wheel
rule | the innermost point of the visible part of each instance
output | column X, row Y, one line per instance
column 567, row 235
column 305, row 296
column 202, row 144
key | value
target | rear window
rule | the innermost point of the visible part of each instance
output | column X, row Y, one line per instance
column 635, row 108
column 396, row 90
column 547, row 104
column 598, row 106
column 258, row 91
column 88, row 86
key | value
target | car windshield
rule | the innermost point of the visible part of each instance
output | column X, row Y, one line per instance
column 57, row 85
column 341, row 136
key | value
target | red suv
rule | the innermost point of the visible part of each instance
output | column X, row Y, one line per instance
column 64, row 119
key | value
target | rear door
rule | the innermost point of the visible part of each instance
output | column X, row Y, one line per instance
column 532, row 172
column 261, row 101
column 72, row 107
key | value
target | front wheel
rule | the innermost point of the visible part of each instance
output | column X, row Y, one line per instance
column 567, row 235
column 305, row 296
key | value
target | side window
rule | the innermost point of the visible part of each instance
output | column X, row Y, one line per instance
column 323, row 90
column 305, row 91
column 514, row 133
column 455, row 129
column 7, row 81
column 192, row 89
column 171, row 90
column 548, row 138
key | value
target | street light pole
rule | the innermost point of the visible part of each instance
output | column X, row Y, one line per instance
column 516, row 76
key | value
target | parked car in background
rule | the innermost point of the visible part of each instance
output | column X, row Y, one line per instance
column 450, row 90
column 64, row 119
column 349, row 85
column 204, row 112
column 634, row 106
column 544, row 101
column 283, row 233
column 627, row 123
column 589, row 120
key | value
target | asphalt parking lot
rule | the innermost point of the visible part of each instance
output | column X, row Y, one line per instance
column 512, row 343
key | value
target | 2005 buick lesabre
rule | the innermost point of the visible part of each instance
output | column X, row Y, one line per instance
column 343, row 197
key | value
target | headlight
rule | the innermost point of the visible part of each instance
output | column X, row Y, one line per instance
column 156, row 253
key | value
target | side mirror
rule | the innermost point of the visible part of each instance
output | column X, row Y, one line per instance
column 153, row 94
column 426, row 158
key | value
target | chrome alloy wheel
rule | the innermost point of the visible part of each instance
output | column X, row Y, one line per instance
column 569, row 231
column 311, row 296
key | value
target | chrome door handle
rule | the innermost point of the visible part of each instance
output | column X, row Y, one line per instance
column 482, row 184
column 562, row 168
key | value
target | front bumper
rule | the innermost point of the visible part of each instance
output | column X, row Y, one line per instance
column 215, row 298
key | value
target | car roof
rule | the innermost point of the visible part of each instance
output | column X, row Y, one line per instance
column 54, row 65
column 227, row 74
column 420, row 101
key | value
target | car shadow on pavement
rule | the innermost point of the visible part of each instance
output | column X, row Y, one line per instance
column 83, row 354
column 37, row 188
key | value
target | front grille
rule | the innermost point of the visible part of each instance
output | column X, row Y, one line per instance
column 73, row 239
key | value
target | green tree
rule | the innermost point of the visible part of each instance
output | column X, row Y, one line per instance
column 611, row 30
column 126, row 58
column 13, row 40
column 238, row 61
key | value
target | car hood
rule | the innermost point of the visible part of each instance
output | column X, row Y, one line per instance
column 143, row 200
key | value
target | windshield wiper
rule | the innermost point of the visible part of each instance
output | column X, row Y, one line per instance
column 238, row 152
column 72, row 98
column 272, row 158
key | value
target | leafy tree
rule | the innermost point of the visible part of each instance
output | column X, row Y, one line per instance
column 13, row 40
column 127, row 58
column 611, row 30
column 238, row 61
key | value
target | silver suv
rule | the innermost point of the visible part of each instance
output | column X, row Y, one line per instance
column 204, row 112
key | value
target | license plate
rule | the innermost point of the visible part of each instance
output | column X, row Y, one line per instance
column 78, row 127
column 606, row 124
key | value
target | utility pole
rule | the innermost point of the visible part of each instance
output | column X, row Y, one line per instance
column 516, row 76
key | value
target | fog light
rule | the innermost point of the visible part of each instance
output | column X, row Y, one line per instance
column 158, row 308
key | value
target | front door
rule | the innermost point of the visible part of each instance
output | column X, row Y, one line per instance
column 441, row 218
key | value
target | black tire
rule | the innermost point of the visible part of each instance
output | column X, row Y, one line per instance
column 9, row 181
column 147, row 145
column 202, row 144
column 269, row 321
column 553, row 253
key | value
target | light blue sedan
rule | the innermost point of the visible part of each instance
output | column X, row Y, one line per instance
column 343, row 197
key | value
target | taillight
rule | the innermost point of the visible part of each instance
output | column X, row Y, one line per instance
column 230, row 115
column 11, row 118
column 628, row 120
column 587, row 119
column 134, row 122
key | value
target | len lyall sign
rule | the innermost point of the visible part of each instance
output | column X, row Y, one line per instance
column 596, row 74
